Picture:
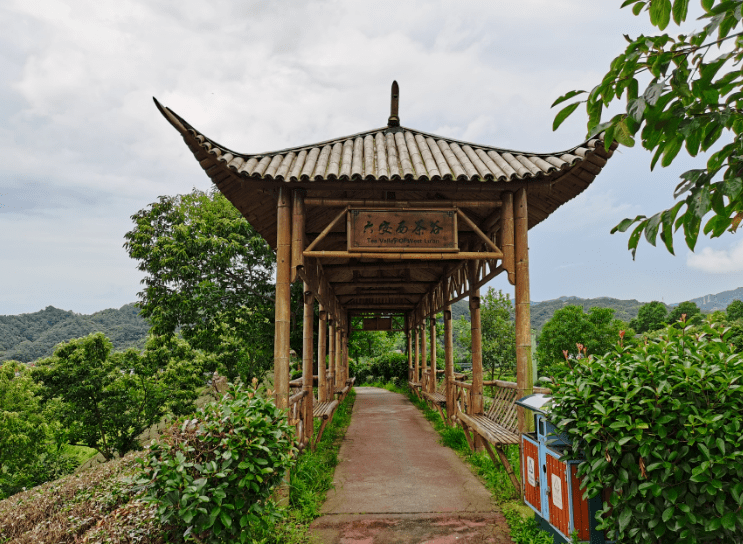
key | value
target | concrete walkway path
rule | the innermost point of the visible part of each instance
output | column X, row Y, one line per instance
column 396, row 483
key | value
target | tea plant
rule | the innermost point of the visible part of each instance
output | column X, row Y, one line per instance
column 660, row 427
column 213, row 475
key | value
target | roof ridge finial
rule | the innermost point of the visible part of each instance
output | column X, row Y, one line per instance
column 394, row 120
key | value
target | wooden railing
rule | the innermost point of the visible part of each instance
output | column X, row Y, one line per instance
column 296, row 414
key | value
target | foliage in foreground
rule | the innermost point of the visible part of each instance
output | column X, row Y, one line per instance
column 213, row 475
column 661, row 427
column 692, row 97
column 105, row 504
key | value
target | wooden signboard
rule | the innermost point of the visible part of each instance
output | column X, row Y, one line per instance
column 413, row 230
column 377, row 324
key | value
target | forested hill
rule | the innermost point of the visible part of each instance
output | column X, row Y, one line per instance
column 541, row 312
column 27, row 337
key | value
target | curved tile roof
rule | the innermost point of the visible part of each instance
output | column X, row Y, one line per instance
column 393, row 154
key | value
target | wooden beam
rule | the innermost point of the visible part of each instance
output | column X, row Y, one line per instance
column 488, row 242
column 424, row 354
column 369, row 203
column 524, row 370
column 403, row 256
column 327, row 229
column 283, row 299
column 383, row 266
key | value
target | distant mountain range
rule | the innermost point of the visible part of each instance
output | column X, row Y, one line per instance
column 27, row 337
column 720, row 301
column 625, row 310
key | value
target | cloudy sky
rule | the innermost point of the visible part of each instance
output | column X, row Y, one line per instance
column 82, row 146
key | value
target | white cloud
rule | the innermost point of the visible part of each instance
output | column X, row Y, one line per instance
column 718, row 261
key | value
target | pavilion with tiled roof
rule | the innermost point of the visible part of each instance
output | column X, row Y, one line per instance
column 394, row 225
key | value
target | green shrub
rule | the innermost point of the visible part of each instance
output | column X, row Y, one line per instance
column 660, row 426
column 389, row 366
column 213, row 475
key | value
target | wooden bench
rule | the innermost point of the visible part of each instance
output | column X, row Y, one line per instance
column 499, row 425
column 438, row 398
column 323, row 411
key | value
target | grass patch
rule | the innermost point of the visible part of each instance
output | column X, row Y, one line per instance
column 524, row 529
column 312, row 478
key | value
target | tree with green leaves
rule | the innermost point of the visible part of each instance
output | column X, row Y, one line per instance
column 498, row 334
column 597, row 332
column 734, row 310
column 28, row 455
column 693, row 99
column 650, row 317
column 689, row 309
column 209, row 276
column 108, row 399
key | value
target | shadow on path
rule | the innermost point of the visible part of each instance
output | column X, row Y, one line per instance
column 396, row 483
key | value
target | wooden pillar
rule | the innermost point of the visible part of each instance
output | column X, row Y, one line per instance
column 331, row 358
column 322, row 336
column 416, row 370
column 424, row 364
column 283, row 299
column 409, row 336
column 507, row 236
column 432, row 325
column 338, row 357
column 298, row 222
column 524, row 370
column 449, row 361
column 308, row 359
column 476, row 396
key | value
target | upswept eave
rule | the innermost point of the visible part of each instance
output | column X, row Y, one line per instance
column 392, row 154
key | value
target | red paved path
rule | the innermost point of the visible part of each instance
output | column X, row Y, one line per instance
column 396, row 483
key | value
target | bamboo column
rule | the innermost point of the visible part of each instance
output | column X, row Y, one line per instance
column 322, row 336
column 331, row 358
column 476, row 395
column 449, row 362
column 416, row 371
column 338, row 358
column 507, row 236
column 409, row 337
column 524, row 370
column 308, row 359
column 298, row 222
column 424, row 363
column 432, row 388
column 283, row 299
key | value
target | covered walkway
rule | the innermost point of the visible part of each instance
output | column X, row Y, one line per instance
column 396, row 483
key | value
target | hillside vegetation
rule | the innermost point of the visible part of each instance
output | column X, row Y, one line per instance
column 27, row 337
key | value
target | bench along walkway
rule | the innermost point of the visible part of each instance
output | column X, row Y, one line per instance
column 396, row 483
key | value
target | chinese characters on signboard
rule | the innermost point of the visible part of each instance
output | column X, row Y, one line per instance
column 402, row 230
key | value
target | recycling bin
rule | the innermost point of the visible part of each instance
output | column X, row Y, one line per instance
column 551, row 485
